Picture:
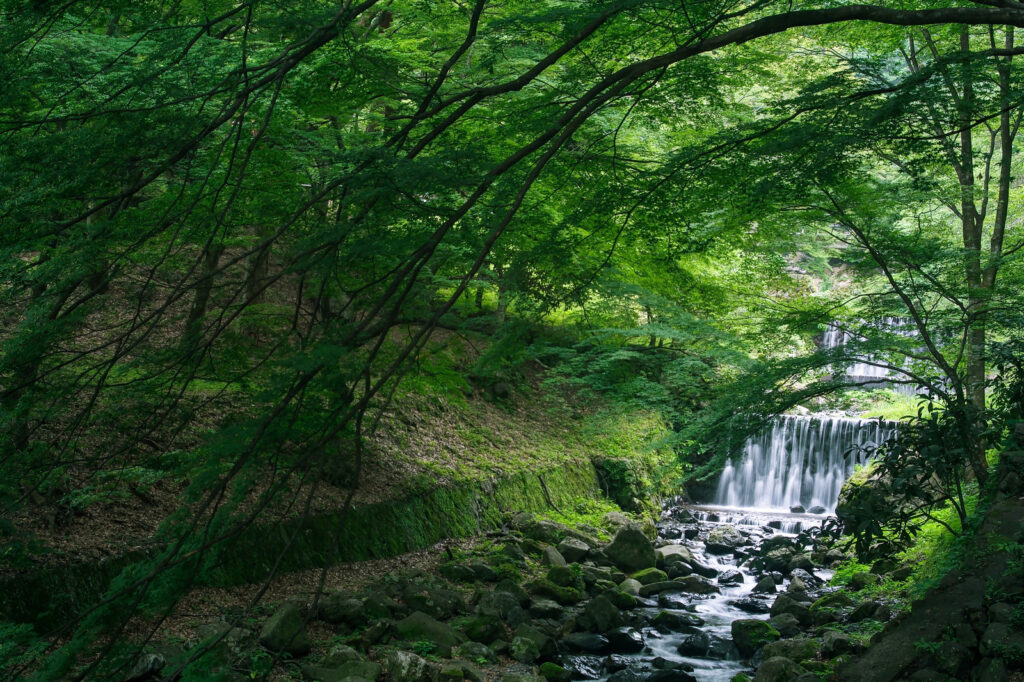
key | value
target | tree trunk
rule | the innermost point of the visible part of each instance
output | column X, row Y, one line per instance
column 204, row 287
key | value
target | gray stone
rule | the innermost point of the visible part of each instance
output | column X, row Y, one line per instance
column 405, row 666
column 765, row 585
column 339, row 654
column 786, row 604
column 834, row 643
column 546, row 608
column 586, row 642
column 625, row 640
column 731, row 577
column 599, row 615
column 785, row 623
column 796, row 648
column 669, row 621
column 552, row 557
column 285, row 632
column 524, row 650
column 1001, row 612
column 672, row 554
column 991, row 670
column 630, row 550
column 723, row 540
column 863, row 611
column 573, row 549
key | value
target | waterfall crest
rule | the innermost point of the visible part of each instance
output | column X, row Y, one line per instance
column 798, row 461
column 866, row 370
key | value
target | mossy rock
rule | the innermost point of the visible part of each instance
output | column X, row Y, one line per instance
column 620, row 599
column 750, row 634
column 552, row 672
column 833, row 600
column 796, row 648
column 421, row 627
column 650, row 575
column 566, row 576
column 563, row 595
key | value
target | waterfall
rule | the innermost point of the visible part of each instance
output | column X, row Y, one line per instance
column 863, row 370
column 798, row 461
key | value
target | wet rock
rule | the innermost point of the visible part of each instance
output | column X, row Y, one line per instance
column 625, row 641
column 691, row 533
column 801, row 561
column 521, row 677
column 750, row 605
column 832, row 600
column 674, row 600
column 750, row 634
column 670, row 675
column 573, row 549
column 797, row 509
column 671, row 532
column 817, row 509
column 678, row 570
column 667, row 621
column 552, row 672
column 668, row 555
column 285, row 632
column 582, row 667
column 621, row 600
column 776, row 559
column 765, row 585
column 723, row 540
column 627, row 675
column 696, row 644
column 731, row 577
column 615, row 663
column 702, row 570
column 630, row 550
column 585, row 642
column 805, row 576
column 778, row 669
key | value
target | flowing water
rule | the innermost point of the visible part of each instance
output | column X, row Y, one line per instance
column 798, row 461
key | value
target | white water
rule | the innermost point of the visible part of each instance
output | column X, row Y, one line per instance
column 798, row 461
column 868, row 369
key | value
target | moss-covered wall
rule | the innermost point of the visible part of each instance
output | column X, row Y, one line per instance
column 48, row 597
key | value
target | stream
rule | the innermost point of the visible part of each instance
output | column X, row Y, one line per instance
column 796, row 466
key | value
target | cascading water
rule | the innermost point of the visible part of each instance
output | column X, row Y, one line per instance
column 868, row 370
column 798, row 461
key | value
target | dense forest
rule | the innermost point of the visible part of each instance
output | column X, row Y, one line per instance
column 271, row 269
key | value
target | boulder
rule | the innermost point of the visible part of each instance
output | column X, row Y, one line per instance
column 340, row 654
column 457, row 573
column 796, row 648
column 285, row 632
column 545, row 608
column 573, row 549
column 650, row 575
column 625, row 640
column 630, row 586
column 543, row 530
column 1002, row 640
column 504, row 605
column 475, row 651
column 524, row 650
column 797, row 509
column 731, row 577
column 750, row 634
column 786, row 604
column 861, row 580
column 545, row 645
column 567, row 576
column 765, row 585
column 696, row 644
column 405, row 666
column 484, row 629
column 693, row 584
column 817, row 509
column 786, row 623
column 750, row 605
column 585, row 642
column 146, row 667
column 599, row 615
column 552, row 557
column 341, row 608
column 630, row 550
column 778, row 669
column 621, row 600
column 672, row 554
column 670, row 621
column 863, row 611
column 421, row 627
column 670, row 675
column 723, row 540
column 834, row 643
column 562, row 595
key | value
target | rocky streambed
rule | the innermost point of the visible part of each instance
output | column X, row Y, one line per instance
column 701, row 595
